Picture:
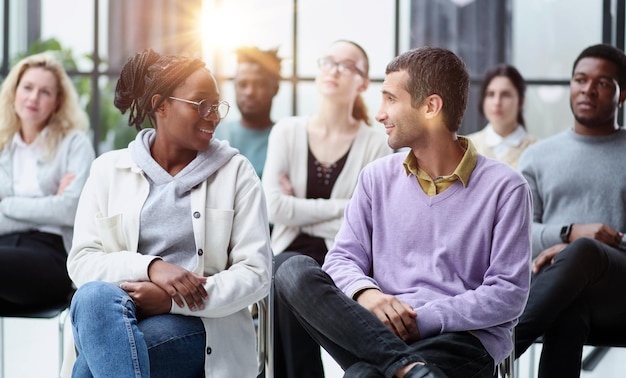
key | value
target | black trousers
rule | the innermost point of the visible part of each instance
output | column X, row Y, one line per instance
column 360, row 343
column 32, row 271
column 296, row 354
column 576, row 300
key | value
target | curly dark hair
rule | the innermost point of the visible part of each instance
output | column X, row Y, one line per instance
column 267, row 59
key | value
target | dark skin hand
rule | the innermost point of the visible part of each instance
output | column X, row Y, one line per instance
column 547, row 256
column 598, row 231
column 148, row 297
column 178, row 282
column 601, row 232
column 398, row 316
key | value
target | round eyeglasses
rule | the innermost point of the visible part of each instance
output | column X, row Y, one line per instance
column 343, row 67
column 205, row 108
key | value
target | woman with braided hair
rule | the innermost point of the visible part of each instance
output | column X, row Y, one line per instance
column 171, row 238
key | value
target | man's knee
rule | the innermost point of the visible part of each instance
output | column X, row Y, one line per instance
column 293, row 274
column 583, row 251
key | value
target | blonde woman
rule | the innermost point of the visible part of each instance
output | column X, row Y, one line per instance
column 45, row 157
column 311, row 170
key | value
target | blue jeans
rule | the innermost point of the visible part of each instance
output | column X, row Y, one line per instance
column 361, row 344
column 112, row 342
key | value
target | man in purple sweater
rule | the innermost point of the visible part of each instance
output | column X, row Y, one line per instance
column 430, row 269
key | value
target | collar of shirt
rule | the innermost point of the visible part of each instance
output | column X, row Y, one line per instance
column 462, row 172
column 514, row 139
column 25, row 167
column 37, row 144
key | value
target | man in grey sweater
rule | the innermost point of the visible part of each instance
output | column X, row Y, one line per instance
column 578, row 184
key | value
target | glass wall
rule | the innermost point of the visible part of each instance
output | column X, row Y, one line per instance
column 544, row 49
column 302, row 33
column 228, row 25
column 100, row 35
column 77, row 35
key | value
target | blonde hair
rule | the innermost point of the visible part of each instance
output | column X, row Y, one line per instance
column 67, row 117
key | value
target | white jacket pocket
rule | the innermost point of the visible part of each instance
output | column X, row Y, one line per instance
column 112, row 233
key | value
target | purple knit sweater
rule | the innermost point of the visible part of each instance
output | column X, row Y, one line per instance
column 461, row 259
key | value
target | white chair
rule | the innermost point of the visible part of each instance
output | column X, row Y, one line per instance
column 60, row 311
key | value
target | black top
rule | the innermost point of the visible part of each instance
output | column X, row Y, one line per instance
column 320, row 182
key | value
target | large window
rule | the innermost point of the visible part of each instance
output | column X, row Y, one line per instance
column 101, row 35
column 544, row 49
column 302, row 30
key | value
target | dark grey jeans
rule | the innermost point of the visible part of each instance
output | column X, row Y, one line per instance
column 576, row 300
column 359, row 342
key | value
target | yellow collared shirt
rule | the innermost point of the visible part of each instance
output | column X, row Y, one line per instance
column 437, row 185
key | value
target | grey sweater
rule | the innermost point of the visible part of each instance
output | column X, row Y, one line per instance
column 18, row 214
column 575, row 179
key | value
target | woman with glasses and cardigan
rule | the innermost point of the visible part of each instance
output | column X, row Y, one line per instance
column 311, row 169
column 171, row 241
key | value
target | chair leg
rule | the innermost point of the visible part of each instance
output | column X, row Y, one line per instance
column 1, row 347
column 506, row 369
column 261, row 330
column 593, row 358
column 62, row 318
column 531, row 354
column 265, row 333
column 269, row 362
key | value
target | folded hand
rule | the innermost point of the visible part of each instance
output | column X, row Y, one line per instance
column 398, row 316
column 179, row 282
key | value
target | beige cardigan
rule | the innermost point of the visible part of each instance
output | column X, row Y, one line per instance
column 288, row 152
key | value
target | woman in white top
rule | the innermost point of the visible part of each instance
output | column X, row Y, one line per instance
column 45, row 156
column 311, row 170
column 502, row 102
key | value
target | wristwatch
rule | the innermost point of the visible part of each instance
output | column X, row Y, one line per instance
column 565, row 233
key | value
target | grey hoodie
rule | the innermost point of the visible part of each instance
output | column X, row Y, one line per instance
column 165, row 226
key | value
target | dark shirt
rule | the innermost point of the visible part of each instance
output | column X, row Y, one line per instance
column 320, row 182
